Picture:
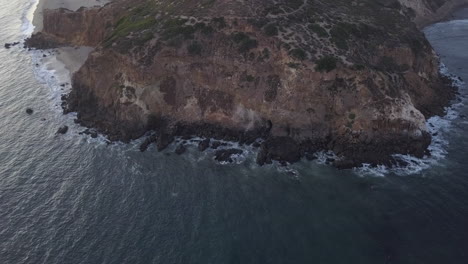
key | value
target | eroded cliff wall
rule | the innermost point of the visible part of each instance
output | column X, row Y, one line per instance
column 356, row 77
column 431, row 11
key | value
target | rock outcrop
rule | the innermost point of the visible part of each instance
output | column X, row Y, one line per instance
column 355, row 77
column 430, row 11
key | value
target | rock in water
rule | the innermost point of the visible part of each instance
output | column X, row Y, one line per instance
column 363, row 80
column 164, row 140
column 144, row 146
column 62, row 130
column 180, row 149
column 225, row 155
column 9, row 45
column 204, row 145
column 283, row 149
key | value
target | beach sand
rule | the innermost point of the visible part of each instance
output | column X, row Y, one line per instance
column 65, row 60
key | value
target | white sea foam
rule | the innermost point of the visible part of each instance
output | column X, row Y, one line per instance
column 438, row 127
column 53, row 73
column 27, row 28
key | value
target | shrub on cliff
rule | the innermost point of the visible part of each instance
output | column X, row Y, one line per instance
column 244, row 41
column 271, row 30
column 327, row 63
column 320, row 31
column 298, row 54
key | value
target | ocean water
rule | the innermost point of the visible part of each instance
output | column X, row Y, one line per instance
column 73, row 199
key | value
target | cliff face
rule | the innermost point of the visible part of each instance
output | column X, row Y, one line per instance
column 356, row 77
column 431, row 11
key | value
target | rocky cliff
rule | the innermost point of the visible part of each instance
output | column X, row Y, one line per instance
column 355, row 77
column 430, row 11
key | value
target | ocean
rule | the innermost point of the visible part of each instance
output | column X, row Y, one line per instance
column 74, row 199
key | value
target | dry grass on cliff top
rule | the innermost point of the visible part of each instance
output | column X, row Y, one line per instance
column 350, row 31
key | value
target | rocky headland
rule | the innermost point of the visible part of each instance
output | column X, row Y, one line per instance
column 355, row 77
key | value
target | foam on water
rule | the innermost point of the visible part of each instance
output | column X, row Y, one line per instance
column 27, row 28
column 438, row 127
column 52, row 73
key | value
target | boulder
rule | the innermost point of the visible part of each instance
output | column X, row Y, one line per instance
column 62, row 130
column 180, row 149
column 283, row 149
column 203, row 145
column 144, row 146
column 164, row 140
column 225, row 155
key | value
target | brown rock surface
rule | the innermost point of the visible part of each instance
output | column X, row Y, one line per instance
column 356, row 77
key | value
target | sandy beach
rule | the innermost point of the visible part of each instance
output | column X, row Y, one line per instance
column 71, row 57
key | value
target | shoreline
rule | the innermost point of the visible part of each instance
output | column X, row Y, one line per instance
column 71, row 59
column 56, row 4
column 444, row 14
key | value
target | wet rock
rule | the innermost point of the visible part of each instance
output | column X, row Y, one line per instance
column 279, row 148
column 345, row 164
column 256, row 144
column 402, row 163
column 203, row 145
column 310, row 156
column 180, row 149
column 217, row 144
column 225, row 155
column 9, row 45
column 144, row 146
column 163, row 141
column 29, row 111
column 62, row 130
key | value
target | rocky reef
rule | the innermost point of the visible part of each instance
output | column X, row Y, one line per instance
column 355, row 77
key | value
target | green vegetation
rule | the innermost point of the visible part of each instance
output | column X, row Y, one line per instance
column 203, row 28
column 207, row 3
column 327, row 64
column 339, row 37
column 271, row 30
column 220, row 22
column 244, row 42
column 177, row 27
column 298, row 54
column 352, row 116
column 250, row 78
column 320, row 31
column 126, row 25
column 358, row 67
column 293, row 65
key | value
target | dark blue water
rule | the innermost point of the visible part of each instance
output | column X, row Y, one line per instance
column 72, row 199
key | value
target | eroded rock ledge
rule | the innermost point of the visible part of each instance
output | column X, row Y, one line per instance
column 355, row 77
